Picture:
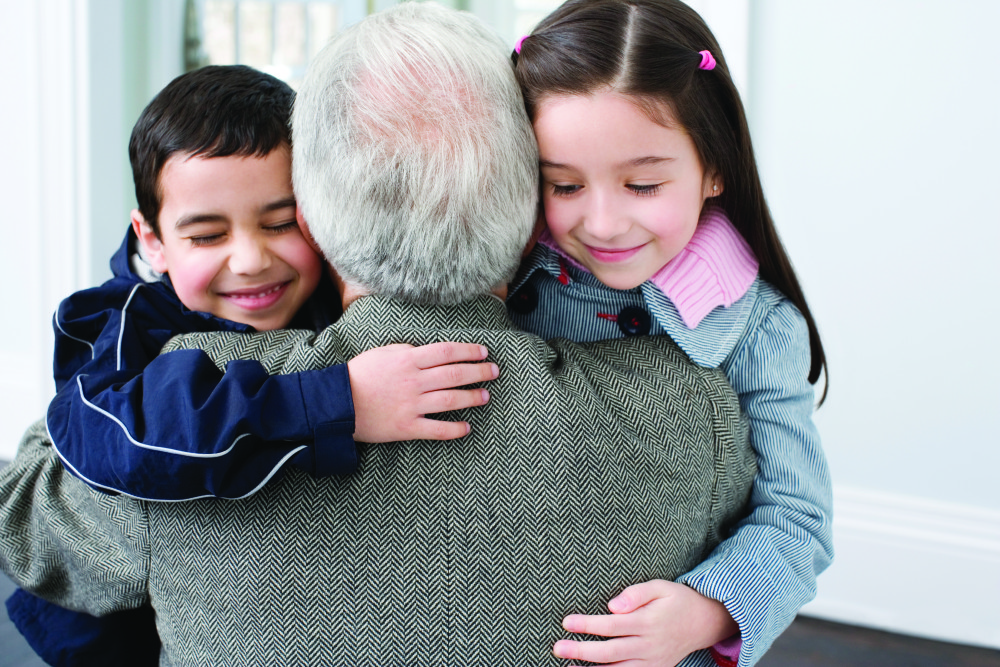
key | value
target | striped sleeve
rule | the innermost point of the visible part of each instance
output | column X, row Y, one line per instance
column 65, row 543
column 766, row 571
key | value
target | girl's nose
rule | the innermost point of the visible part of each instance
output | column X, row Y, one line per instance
column 603, row 222
column 249, row 256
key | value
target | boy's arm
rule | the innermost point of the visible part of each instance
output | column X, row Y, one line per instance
column 175, row 427
column 182, row 429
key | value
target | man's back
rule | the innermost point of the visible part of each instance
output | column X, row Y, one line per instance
column 593, row 467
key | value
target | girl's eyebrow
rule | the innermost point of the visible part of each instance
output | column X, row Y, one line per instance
column 552, row 165
column 649, row 159
column 635, row 162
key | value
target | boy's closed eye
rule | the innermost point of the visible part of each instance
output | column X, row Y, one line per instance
column 282, row 227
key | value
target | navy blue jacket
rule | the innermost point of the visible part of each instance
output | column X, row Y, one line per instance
column 174, row 427
column 171, row 427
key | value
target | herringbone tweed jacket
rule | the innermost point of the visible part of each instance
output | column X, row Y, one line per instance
column 592, row 467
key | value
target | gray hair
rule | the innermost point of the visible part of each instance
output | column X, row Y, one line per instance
column 414, row 161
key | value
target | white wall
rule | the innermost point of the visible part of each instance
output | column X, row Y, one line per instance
column 80, row 72
column 44, row 191
column 877, row 133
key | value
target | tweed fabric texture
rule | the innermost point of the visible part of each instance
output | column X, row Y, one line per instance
column 593, row 467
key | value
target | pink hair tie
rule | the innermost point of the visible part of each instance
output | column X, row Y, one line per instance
column 517, row 47
column 707, row 61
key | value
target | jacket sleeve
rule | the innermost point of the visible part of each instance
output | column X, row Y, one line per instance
column 174, row 427
column 766, row 570
column 63, row 542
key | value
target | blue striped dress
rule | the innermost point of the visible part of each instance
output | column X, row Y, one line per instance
column 766, row 570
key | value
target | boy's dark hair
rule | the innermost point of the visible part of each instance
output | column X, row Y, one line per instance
column 214, row 111
column 649, row 50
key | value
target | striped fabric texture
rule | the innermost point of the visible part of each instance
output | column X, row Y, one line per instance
column 714, row 269
column 767, row 571
column 593, row 467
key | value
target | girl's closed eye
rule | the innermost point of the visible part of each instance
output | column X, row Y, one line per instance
column 565, row 190
column 645, row 190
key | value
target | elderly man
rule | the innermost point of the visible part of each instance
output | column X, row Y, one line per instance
column 592, row 467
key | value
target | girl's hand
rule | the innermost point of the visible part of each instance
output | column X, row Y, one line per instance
column 396, row 385
column 656, row 623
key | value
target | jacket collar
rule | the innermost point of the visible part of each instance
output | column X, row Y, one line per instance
column 482, row 312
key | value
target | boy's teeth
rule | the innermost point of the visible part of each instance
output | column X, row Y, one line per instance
column 261, row 295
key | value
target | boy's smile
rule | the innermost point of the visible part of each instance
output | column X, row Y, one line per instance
column 229, row 238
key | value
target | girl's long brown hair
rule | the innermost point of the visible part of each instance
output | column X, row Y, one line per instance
column 649, row 50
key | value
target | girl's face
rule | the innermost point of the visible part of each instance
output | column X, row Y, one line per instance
column 622, row 194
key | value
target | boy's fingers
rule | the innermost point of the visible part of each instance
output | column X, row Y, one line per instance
column 452, row 399
column 433, row 429
column 436, row 354
column 456, row 375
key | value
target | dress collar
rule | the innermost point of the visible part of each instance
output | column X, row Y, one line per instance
column 714, row 269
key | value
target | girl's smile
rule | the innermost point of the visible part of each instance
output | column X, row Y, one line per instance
column 613, row 254
column 622, row 194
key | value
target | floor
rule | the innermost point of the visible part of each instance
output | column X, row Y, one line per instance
column 807, row 643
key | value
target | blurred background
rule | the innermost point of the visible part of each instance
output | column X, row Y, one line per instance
column 876, row 130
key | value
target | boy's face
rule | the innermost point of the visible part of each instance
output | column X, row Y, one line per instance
column 229, row 238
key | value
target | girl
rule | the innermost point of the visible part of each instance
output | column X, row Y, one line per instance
column 657, row 224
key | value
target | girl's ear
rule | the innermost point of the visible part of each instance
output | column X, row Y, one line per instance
column 713, row 185
column 152, row 246
column 540, row 226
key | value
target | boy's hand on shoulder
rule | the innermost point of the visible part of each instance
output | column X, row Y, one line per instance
column 396, row 385
column 654, row 623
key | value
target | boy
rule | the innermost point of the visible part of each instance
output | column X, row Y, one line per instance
column 214, row 245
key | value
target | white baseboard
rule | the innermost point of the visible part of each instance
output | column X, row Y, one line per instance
column 915, row 566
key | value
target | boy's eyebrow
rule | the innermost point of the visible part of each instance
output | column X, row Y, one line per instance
column 288, row 202
column 278, row 205
column 199, row 217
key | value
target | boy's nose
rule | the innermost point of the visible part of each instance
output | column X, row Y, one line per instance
column 249, row 256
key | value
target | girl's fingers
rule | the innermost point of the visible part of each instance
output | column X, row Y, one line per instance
column 437, row 354
column 612, row 651
column 601, row 626
column 637, row 596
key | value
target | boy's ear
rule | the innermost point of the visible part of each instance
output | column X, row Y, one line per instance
column 152, row 246
column 304, row 228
